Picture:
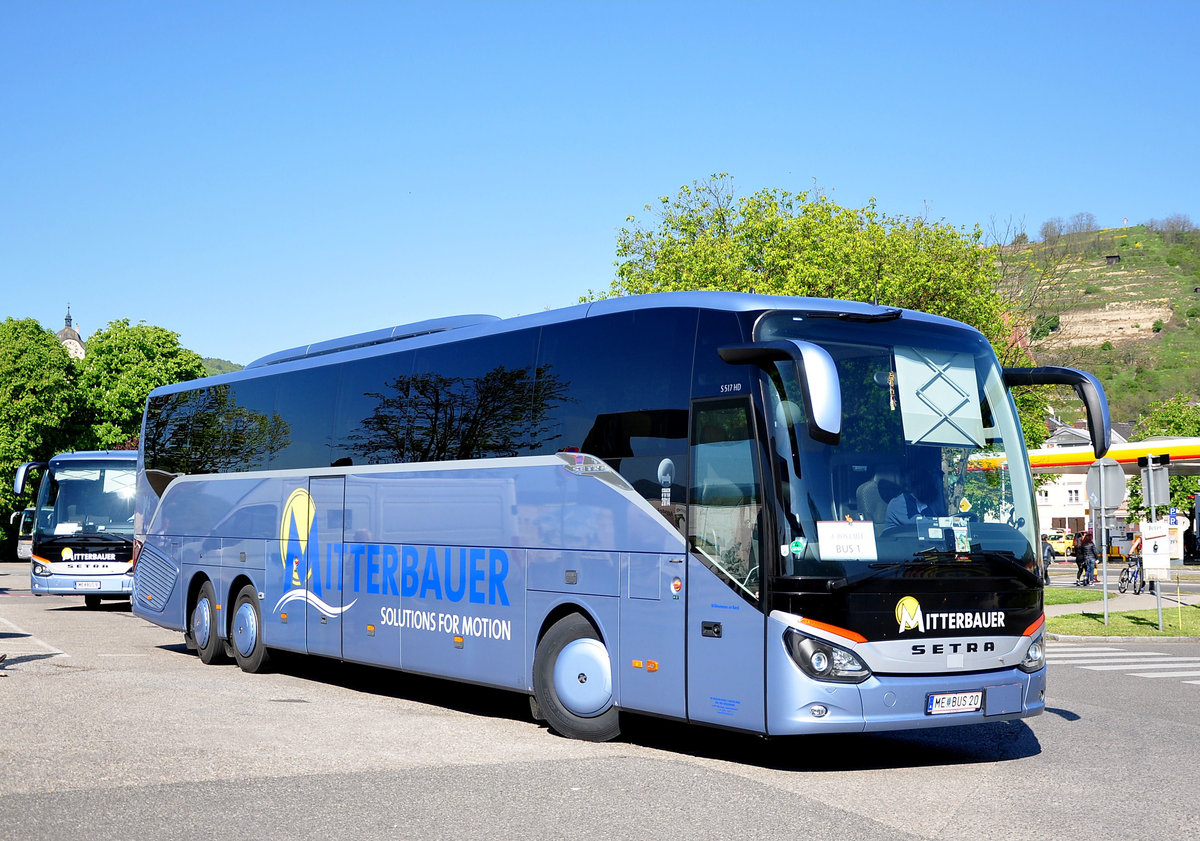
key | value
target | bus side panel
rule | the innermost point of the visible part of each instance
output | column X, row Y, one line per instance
column 159, row 588
column 372, row 621
column 466, row 618
column 651, row 649
column 725, row 654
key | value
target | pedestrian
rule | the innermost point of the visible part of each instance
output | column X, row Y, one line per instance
column 1089, row 559
column 1047, row 559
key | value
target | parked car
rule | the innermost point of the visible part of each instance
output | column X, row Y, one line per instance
column 1061, row 541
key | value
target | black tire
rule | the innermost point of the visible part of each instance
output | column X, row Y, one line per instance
column 1123, row 584
column 204, row 627
column 245, row 633
column 573, row 652
column 91, row 602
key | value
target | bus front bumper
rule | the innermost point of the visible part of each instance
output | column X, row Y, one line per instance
column 81, row 585
column 906, row 702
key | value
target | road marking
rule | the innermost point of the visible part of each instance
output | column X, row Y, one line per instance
column 1167, row 674
column 1157, row 664
column 1098, row 655
column 19, row 643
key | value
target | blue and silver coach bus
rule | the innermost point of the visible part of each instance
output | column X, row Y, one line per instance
column 82, row 542
column 689, row 505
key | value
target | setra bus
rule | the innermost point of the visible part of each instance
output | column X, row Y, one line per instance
column 673, row 504
column 82, row 541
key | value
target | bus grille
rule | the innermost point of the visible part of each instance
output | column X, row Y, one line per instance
column 153, row 579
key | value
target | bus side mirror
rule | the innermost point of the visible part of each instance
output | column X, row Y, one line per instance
column 22, row 474
column 816, row 372
column 1087, row 388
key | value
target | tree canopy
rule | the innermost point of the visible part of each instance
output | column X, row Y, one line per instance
column 39, row 399
column 123, row 365
column 778, row 243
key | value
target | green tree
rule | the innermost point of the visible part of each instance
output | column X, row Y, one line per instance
column 1178, row 416
column 123, row 364
column 780, row 243
column 38, row 399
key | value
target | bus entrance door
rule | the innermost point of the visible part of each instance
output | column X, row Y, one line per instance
column 725, row 625
column 324, row 581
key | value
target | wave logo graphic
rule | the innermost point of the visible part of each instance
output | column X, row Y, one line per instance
column 309, row 597
column 297, row 529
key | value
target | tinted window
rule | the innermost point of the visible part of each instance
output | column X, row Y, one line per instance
column 472, row 400
column 713, row 376
column 369, row 425
column 305, row 402
column 254, row 430
column 464, row 400
column 623, row 380
column 164, row 434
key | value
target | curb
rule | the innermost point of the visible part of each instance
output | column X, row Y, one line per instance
column 1077, row 638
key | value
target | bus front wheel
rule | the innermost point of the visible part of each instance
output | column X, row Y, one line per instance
column 572, row 681
column 204, row 629
column 248, row 649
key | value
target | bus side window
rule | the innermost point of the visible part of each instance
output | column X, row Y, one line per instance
column 725, row 506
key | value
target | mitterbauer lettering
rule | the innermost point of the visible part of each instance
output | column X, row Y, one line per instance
column 910, row 617
column 470, row 574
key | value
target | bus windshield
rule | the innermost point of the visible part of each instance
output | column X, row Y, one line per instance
column 90, row 499
column 919, row 477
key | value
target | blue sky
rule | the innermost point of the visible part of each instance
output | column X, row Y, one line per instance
column 256, row 176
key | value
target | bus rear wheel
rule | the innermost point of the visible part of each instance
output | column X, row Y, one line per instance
column 246, row 634
column 572, row 681
column 203, row 627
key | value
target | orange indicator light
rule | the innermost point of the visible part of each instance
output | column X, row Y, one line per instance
column 676, row 585
column 637, row 664
column 652, row 665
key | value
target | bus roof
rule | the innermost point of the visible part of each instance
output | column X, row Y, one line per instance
column 455, row 328
column 65, row 459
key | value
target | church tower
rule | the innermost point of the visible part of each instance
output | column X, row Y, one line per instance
column 71, row 339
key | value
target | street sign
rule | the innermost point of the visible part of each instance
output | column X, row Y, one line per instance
column 1156, row 489
column 1105, row 485
column 1156, row 550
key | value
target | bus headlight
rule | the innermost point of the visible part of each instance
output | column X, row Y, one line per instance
column 1035, row 656
column 40, row 569
column 822, row 660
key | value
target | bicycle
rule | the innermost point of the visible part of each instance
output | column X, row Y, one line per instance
column 1132, row 577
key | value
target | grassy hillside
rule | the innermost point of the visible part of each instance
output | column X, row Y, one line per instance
column 213, row 367
column 1133, row 322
